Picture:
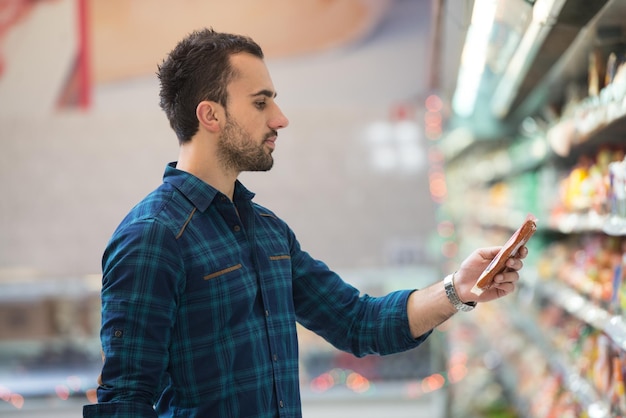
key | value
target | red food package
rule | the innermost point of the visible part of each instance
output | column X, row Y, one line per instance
column 498, row 264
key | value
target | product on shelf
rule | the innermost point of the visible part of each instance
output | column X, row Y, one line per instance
column 616, row 197
column 586, row 352
column 592, row 265
column 596, row 73
column 586, row 187
column 617, row 391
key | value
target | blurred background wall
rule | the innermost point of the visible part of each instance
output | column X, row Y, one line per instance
column 82, row 137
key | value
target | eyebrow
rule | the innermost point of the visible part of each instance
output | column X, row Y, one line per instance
column 266, row 93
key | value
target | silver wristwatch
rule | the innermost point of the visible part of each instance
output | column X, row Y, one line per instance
column 448, row 284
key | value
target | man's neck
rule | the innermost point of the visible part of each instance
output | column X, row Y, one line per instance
column 207, row 169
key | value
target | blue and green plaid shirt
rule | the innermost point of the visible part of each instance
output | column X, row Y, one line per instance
column 200, row 300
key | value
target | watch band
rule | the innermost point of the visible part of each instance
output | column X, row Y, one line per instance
column 448, row 284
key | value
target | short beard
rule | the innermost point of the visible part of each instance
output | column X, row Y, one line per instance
column 237, row 150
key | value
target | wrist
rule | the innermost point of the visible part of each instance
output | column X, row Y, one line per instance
column 453, row 296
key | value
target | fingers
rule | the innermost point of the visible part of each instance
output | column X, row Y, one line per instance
column 504, row 283
column 514, row 263
column 506, row 277
column 505, row 288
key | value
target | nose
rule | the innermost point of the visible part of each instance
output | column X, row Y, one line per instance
column 279, row 121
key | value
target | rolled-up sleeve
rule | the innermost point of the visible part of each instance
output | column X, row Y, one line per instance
column 118, row 410
column 142, row 280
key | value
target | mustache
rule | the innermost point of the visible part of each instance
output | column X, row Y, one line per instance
column 272, row 133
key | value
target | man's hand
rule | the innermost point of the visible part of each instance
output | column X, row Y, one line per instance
column 473, row 266
column 429, row 307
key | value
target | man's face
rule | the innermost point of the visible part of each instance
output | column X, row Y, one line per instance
column 239, row 151
column 253, row 118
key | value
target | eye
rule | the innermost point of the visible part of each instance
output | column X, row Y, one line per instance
column 260, row 104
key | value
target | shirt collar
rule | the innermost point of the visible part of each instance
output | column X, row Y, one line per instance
column 199, row 193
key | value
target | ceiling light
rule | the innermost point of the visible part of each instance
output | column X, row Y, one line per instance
column 544, row 17
column 474, row 56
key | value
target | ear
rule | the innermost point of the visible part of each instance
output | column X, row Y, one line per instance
column 206, row 112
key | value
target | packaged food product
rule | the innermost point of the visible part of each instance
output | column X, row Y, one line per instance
column 498, row 264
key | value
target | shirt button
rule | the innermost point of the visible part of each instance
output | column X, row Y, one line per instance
column 275, row 357
column 267, row 313
column 281, row 404
column 236, row 228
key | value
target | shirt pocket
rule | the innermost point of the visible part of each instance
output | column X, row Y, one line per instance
column 217, row 297
column 277, row 268
column 278, row 281
column 228, row 286
column 222, row 272
column 280, row 257
column 227, row 282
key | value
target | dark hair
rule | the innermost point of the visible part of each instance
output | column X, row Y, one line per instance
column 198, row 69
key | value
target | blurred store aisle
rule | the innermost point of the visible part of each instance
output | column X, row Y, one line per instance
column 338, row 405
column 387, row 405
column 337, row 408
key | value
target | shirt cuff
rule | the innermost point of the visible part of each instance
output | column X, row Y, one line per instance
column 118, row 410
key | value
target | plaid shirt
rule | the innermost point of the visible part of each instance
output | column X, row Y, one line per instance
column 200, row 300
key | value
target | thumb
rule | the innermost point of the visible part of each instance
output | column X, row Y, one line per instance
column 488, row 253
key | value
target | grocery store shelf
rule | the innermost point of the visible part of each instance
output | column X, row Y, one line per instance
column 612, row 325
column 565, row 223
column 593, row 402
column 593, row 123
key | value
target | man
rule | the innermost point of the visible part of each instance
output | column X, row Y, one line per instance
column 202, row 287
